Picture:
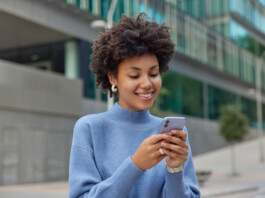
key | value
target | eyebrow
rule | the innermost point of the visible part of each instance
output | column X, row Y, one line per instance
column 138, row 69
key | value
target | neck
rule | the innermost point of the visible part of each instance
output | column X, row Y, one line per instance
column 118, row 112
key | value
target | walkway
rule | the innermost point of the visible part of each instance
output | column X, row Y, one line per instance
column 250, row 181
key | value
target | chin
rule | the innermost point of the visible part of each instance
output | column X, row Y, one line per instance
column 146, row 106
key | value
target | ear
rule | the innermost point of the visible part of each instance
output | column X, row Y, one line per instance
column 112, row 79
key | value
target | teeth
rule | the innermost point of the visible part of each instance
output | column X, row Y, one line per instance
column 145, row 95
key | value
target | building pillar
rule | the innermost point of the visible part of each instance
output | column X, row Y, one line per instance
column 205, row 101
column 71, row 51
column 98, row 93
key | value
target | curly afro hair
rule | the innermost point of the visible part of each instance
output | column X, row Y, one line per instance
column 130, row 37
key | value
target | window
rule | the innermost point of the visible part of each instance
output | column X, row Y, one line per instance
column 46, row 57
column 104, row 8
column 249, row 109
column 181, row 95
column 217, row 98
column 211, row 50
column 181, row 45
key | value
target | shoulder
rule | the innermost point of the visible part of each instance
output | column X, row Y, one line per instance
column 89, row 119
column 82, row 129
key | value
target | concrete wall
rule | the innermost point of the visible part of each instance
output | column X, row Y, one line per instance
column 93, row 106
column 34, row 147
column 37, row 91
column 37, row 114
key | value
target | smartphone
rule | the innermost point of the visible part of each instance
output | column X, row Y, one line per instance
column 171, row 123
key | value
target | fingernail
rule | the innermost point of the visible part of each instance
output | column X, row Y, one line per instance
column 165, row 136
column 163, row 144
column 174, row 131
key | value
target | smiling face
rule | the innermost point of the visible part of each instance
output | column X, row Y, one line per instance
column 138, row 81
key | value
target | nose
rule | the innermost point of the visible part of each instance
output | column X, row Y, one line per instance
column 146, row 83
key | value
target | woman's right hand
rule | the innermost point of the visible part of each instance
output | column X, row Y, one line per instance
column 148, row 154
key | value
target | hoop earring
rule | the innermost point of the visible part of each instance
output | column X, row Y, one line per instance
column 114, row 88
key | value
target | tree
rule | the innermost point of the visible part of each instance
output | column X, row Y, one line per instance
column 249, row 43
column 233, row 126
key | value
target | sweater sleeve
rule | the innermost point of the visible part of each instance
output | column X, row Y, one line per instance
column 84, row 177
column 182, row 184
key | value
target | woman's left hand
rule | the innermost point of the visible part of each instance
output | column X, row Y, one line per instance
column 175, row 147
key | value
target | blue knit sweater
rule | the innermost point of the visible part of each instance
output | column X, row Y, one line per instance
column 101, row 165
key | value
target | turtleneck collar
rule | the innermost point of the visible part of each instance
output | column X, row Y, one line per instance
column 118, row 112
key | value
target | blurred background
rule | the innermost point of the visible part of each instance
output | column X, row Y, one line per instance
column 46, row 84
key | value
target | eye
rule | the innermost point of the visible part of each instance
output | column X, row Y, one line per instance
column 134, row 77
column 154, row 75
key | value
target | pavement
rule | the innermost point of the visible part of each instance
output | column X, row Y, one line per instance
column 40, row 190
column 249, row 181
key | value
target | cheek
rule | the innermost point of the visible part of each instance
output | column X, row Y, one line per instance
column 158, row 83
column 129, row 86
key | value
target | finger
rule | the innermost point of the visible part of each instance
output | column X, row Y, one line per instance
column 167, row 133
column 174, row 155
column 174, row 140
column 175, row 148
column 155, row 138
column 171, row 154
column 161, row 157
column 156, row 146
column 180, row 134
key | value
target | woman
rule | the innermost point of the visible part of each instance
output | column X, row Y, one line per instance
column 119, row 153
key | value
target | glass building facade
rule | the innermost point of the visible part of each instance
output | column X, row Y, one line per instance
column 206, row 31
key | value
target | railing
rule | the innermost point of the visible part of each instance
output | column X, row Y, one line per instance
column 252, row 12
